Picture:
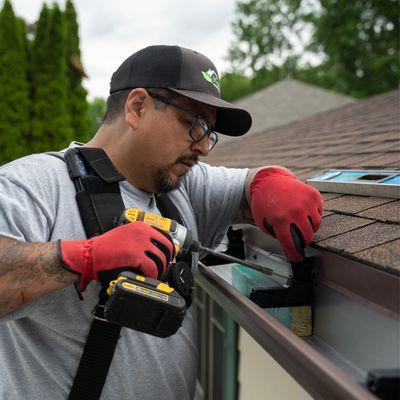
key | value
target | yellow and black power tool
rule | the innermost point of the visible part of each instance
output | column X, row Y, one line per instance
column 155, row 307
column 181, row 236
column 148, row 305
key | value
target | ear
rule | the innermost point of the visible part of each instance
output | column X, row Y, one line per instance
column 134, row 107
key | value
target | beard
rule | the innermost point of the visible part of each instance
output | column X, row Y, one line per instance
column 164, row 181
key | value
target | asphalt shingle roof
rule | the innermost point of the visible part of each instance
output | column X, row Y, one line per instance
column 363, row 134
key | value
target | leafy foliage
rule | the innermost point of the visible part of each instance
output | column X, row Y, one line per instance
column 361, row 40
column 234, row 85
column 356, row 43
column 263, row 31
column 14, row 88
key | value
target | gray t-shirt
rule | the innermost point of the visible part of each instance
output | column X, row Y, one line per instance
column 41, row 343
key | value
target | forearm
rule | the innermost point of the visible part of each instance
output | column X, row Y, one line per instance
column 28, row 271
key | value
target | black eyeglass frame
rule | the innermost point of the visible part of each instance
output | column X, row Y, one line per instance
column 199, row 119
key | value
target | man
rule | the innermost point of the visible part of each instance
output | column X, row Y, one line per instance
column 163, row 113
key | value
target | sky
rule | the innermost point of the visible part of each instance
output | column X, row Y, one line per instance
column 110, row 31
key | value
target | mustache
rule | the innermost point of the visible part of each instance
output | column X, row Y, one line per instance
column 183, row 159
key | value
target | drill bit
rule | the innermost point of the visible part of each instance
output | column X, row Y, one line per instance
column 249, row 264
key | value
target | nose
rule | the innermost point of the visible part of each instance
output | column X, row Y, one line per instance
column 201, row 147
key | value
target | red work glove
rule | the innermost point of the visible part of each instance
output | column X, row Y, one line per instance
column 135, row 246
column 284, row 207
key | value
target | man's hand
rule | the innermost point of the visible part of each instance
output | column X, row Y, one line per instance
column 135, row 246
column 283, row 206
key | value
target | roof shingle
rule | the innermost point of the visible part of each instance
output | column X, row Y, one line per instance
column 335, row 224
column 366, row 237
column 387, row 254
column 354, row 204
column 360, row 135
column 389, row 212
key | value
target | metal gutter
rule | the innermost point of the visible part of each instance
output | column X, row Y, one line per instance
column 315, row 373
column 368, row 285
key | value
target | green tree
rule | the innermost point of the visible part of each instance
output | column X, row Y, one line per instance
column 356, row 41
column 97, row 110
column 51, row 122
column 235, row 85
column 361, row 41
column 77, row 103
column 264, row 33
column 14, row 88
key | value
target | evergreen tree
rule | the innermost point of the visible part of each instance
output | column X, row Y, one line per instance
column 97, row 111
column 14, row 88
column 76, row 101
column 39, row 71
column 51, row 123
column 27, row 46
column 39, row 45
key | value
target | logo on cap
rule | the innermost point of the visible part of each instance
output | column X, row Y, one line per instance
column 212, row 77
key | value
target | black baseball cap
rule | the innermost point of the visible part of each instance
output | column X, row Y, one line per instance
column 183, row 71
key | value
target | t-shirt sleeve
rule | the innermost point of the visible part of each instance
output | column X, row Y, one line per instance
column 215, row 194
column 23, row 216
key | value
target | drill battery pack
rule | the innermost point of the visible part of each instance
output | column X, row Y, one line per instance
column 144, row 304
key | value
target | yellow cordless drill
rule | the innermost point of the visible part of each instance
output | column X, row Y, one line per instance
column 151, row 306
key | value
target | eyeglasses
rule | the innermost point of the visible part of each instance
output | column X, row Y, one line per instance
column 199, row 129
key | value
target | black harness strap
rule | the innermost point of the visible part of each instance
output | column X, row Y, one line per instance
column 96, row 182
column 96, row 360
column 100, row 205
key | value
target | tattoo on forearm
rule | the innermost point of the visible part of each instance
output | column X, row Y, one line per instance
column 31, row 259
column 26, row 270
column 53, row 269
